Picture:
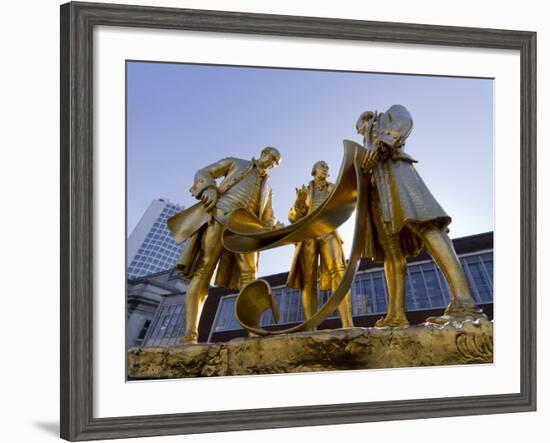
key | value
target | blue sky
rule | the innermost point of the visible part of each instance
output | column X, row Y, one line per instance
column 182, row 117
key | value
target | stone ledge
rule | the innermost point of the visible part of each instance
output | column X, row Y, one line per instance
column 326, row 350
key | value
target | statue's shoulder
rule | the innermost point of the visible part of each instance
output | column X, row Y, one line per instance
column 230, row 160
column 233, row 163
column 241, row 162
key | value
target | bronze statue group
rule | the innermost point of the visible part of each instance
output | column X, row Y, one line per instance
column 403, row 217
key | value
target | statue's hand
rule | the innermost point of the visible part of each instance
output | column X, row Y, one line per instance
column 299, row 209
column 370, row 159
column 209, row 197
column 301, row 196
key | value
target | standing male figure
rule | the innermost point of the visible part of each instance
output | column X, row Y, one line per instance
column 328, row 248
column 404, row 217
column 244, row 186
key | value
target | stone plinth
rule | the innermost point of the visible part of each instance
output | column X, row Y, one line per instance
column 339, row 349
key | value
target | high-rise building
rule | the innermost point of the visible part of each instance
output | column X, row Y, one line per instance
column 150, row 246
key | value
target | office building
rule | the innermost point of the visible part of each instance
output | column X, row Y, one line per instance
column 145, row 301
column 150, row 246
column 427, row 293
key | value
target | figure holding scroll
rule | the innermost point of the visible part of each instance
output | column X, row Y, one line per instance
column 324, row 252
column 404, row 217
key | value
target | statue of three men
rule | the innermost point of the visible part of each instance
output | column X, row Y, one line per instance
column 403, row 217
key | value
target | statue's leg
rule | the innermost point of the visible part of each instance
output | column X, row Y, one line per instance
column 247, row 268
column 247, row 272
column 390, row 284
column 395, row 267
column 197, row 291
column 398, row 309
column 308, row 265
column 331, row 253
column 439, row 246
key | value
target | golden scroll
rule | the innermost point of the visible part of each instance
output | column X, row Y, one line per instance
column 245, row 233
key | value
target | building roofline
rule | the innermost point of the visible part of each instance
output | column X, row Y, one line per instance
column 144, row 278
column 149, row 280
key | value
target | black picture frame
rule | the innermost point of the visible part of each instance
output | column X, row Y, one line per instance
column 77, row 23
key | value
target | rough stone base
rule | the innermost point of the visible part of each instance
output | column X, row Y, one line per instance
column 339, row 349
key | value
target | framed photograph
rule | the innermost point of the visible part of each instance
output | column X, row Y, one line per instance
column 261, row 130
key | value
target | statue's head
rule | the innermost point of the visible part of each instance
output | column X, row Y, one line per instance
column 394, row 126
column 269, row 157
column 390, row 128
column 320, row 170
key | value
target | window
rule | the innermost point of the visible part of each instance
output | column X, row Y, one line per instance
column 144, row 329
column 418, row 288
column 487, row 260
column 360, row 294
column 425, row 288
column 410, row 300
column 478, row 278
column 433, row 287
column 225, row 317
column 291, row 306
column 322, row 297
column 167, row 326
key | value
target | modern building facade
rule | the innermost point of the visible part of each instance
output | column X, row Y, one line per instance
column 150, row 246
column 427, row 293
column 146, row 300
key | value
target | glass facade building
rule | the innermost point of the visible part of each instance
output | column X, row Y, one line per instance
column 426, row 290
column 151, row 247
column 167, row 326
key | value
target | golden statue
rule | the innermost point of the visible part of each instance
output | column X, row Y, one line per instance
column 404, row 217
column 396, row 216
column 326, row 249
column 245, row 187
